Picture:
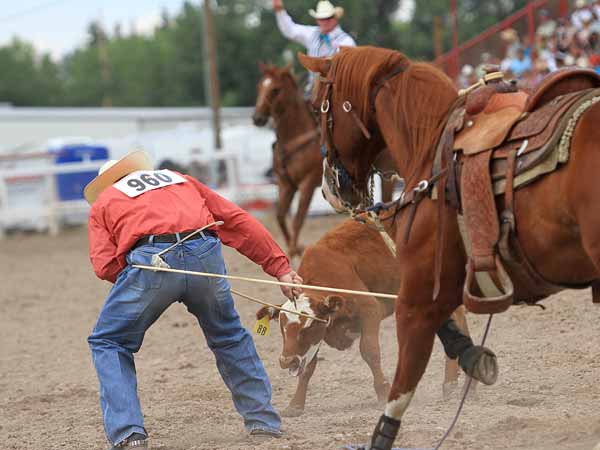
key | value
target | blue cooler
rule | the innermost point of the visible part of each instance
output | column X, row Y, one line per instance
column 70, row 185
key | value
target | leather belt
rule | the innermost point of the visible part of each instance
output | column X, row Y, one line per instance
column 172, row 238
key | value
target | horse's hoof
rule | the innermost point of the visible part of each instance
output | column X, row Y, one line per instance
column 480, row 363
column 292, row 411
column 449, row 390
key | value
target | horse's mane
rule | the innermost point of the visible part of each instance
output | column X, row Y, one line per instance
column 423, row 94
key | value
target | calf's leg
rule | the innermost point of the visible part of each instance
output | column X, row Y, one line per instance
column 370, row 351
column 296, row 406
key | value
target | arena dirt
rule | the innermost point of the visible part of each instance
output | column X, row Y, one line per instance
column 547, row 396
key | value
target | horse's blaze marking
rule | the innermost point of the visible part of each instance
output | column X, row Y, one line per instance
column 395, row 408
column 263, row 92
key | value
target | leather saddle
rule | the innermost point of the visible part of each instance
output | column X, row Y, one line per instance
column 501, row 133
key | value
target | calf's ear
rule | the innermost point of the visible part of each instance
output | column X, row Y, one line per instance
column 333, row 303
column 267, row 311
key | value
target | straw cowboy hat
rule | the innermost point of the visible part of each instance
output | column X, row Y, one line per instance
column 325, row 10
column 113, row 170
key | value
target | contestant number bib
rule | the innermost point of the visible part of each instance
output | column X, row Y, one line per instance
column 142, row 181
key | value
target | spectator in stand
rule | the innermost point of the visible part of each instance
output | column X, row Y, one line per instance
column 581, row 14
column 582, row 36
column 596, row 9
column 521, row 64
column 547, row 26
column 486, row 60
column 468, row 76
column 512, row 41
column 564, row 35
column 562, row 42
column 547, row 53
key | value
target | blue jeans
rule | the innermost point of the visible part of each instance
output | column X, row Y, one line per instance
column 137, row 300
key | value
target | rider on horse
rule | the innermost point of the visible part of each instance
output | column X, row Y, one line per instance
column 322, row 40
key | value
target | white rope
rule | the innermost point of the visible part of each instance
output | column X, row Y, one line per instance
column 255, row 300
column 276, row 283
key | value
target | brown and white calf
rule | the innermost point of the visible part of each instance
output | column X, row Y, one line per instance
column 351, row 256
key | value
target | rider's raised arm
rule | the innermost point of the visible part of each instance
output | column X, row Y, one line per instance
column 291, row 30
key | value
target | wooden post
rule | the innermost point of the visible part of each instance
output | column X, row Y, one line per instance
column 214, row 92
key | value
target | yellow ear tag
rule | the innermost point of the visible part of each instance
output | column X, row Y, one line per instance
column 261, row 327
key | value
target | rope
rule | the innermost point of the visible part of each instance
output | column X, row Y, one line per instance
column 255, row 300
column 462, row 402
column 276, row 283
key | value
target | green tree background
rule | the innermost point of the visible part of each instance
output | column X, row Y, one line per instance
column 167, row 68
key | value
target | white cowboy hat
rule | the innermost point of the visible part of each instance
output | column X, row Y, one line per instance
column 113, row 170
column 325, row 10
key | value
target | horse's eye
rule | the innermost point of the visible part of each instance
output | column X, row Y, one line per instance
column 275, row 91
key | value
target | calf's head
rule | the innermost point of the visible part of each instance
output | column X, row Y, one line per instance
column 302, row 336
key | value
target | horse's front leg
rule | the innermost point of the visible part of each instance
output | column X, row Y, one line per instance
column 416, row 328
column 307, row 189
column 286, row 195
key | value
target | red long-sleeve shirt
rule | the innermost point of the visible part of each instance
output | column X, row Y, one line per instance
column 117, row 221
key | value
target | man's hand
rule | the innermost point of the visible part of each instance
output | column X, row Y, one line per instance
column 278, row 5
column 291, row 277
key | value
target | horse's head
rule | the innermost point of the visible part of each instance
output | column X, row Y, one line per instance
column 272, row 88
column 350, row 141
column 369, row 98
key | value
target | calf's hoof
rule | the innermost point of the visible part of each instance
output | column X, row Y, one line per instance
column 383, row 391
column 449, row 390
column 480, row 363
column 292, row 411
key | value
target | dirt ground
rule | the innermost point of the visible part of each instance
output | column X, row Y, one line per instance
column 547, row 396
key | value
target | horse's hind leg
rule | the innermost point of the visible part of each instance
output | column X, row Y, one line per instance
column 452, row 367
column 307, row 189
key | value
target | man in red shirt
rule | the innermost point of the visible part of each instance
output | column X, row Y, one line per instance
column 136, row 213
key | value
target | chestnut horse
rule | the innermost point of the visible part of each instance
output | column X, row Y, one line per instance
column 297, row 160
column 404, row 105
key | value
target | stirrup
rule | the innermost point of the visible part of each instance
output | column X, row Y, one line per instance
column 492, row 304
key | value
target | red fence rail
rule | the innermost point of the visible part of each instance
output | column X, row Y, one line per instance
column 524, row 21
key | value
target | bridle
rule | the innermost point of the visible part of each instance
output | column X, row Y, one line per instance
column 338, row 178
